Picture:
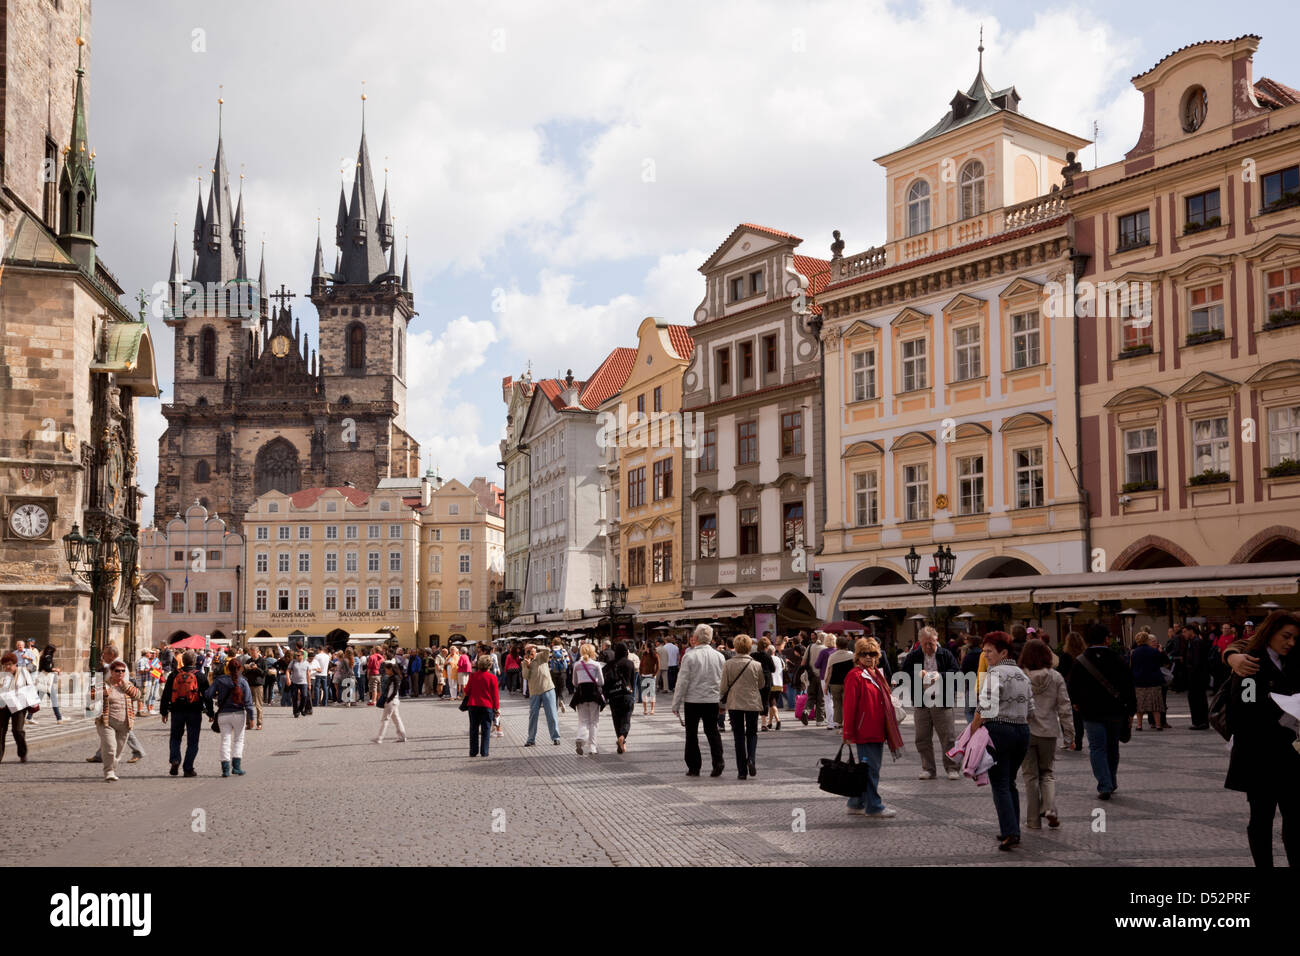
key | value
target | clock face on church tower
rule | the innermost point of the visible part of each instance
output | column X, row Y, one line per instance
column 280, row 346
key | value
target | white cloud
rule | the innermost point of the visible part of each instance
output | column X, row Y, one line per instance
column 150, row 426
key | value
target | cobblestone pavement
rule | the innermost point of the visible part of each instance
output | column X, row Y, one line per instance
column 319, row 792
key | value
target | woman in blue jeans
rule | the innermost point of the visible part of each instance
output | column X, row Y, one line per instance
column 1006, row 700
column 483, row 701
column 868, row 724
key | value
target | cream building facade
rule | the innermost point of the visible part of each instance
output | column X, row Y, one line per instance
column 462, row 565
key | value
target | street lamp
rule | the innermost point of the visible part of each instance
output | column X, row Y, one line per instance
column 501, row 613
column 100, row 563
column 939, row 577
column 613, row 599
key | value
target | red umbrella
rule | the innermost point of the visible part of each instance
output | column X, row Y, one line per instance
column 844, row 627
column 194, row 642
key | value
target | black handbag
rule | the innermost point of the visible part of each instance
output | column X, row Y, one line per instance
column 843, row 778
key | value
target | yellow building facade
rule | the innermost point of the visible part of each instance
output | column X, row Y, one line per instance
column 462, row 565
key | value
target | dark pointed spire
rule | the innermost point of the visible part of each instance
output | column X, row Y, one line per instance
column 406, row 272
column 318, row 277
column 176, row 281
column 77, row 188
column 385, row 218
column 341, row 225
column 198, row 219
column 261, row 274
column 392, row 260
column 237, row 226
column 219, row 252
column 241, row 267
column 362, row 247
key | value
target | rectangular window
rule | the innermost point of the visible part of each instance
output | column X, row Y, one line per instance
column 331, row 562
column 372, row 599
column 178, row 601
column 282, row 562
column 708, row 536
column 178, row 555
column 200, row 602
column 1029, row 478
column 372, row 531
column 349, row 599
column 1136, row 321
column 769, row 354
column 453, row 508
column 737, row 288
column 464, row 532
column 746, row 360
column 864, row 374
column 263, row 533
column 792, row 434
column 635, row 567
column 1210, row 450
column 1026, row 340
column 331, row 532
column 640, row 404
column 1205, row 312
column 261, row 564
column 224, row 602
column 966, row 353
column 304, row 532
column 350, row 561
column 636, row 487
column 304, row 599
column 462, row 599
column 1134, row 230
column 214, row 557
column 1140, row 457
column 1202, row 211
column 724, row 366
column 916, row 489
column 394, row 560
column 394, row 599
column 747, row 443
column 1281, row 188
column 304, row 562
column 331, row 599
column 659, row 398
column 970, row 485
column 435, row 564
column 352, row 532
column 709, row 450
column 282, row 599
column 282, row 532
column 372, row 561
column 436, row 535
column 914, row 376
column 1283, row 434
column 755, row 282
column 662, row 555
column 259, row 599
column 663, row 474
column 1283, row 289
column 792, row 525
column 866, row 499
column 435, row 599
column 748, row 531
column 464, row 564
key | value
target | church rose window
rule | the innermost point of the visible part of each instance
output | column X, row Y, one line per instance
column 276, row 468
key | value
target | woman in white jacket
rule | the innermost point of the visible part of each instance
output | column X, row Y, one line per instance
column 14, row 678
column 588, row 696
column 1051, row 718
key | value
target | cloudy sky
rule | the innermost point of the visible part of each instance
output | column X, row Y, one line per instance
column 563, row 167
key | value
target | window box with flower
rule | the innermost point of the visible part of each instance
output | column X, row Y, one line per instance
column 1130, row 487
column 1209, row 477
column 1286, row 468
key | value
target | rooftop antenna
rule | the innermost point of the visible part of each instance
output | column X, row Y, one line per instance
column 981, row 48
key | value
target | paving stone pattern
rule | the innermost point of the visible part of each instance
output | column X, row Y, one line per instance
column 319, row 792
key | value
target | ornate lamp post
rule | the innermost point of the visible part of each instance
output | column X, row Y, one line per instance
column 613, row 599
column 501, row 614
column 100, row 563
column 940, row 575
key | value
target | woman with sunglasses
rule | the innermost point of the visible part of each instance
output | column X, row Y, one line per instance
column 115, row 721
column 868, row 723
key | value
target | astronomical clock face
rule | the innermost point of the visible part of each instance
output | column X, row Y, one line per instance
column 29, row 520
column 280, row 346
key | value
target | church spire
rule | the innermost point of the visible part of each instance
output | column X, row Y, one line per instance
column 361, row 245
column 406, row 270
column 198, row 219
column 385, row 218
column 222, row 241
column 175, row 280
column 318, row 266
column 77, row 188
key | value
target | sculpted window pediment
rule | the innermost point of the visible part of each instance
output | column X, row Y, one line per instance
column 913, row 440
column 1276, row 371
column 1025, row 420
column 1275, row 247
column 971, row 430
column 909, row 316
column 1141, row 395
column 861, row 449
column 1204, row 383
column 1201, row 267
column 1022, row 288
column 963, row 304
column 861, row 330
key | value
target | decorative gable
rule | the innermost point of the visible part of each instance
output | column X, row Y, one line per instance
column 1141, row 395
column 910, row 316
column 1203, row 384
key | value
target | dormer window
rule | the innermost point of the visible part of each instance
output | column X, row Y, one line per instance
column 1193, row 109
column 755, row 282
column 972, row 189
column 918, row 208
column 737, row 288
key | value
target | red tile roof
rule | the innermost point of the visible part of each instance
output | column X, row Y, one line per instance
column 1244, row 36
column 774, row 232
column 1273, row 94
column 608, row 380
column 309, row 496
column 553, row 389
column 955, row 251
column 679, row 337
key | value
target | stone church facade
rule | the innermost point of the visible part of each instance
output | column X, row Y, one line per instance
column 255, row 407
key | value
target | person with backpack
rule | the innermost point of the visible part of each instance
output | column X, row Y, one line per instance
column 1265, row 762
column 1101, row 689
column 232, row 699
column 620, row 678
column 588, row 697
column 256, row 676
column 560, row 664
column 186, row 695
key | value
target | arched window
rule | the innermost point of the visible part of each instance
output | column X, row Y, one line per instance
column 356, row 347
column 918, row 208
column 276, row 468
column 201, row 472
column 81, row 211
column 972, row 189
column 208, row 352
column 401, row 354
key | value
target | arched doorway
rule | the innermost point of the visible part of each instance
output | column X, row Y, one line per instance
column 263, row 633
column 1152, row 557
column 219, row 638
column 276, row 468
column 177, row 636
column 1278, row 549
column 795, row 612
column 337, row 639
column 1000, row 566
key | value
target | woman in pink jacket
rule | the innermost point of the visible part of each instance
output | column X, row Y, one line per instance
column 869, row 723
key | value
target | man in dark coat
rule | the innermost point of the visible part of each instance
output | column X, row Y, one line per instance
column 1101, row 690
column 1197, row 653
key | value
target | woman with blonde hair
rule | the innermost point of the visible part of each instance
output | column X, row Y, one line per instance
column 588, row 697
column 868, row 723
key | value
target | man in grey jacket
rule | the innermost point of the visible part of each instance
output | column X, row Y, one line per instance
column 699, row 685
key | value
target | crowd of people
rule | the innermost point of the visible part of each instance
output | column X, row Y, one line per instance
column 1023, row 702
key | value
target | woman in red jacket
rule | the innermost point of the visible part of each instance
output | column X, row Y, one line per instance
column 483, row 700
column 869, row 723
